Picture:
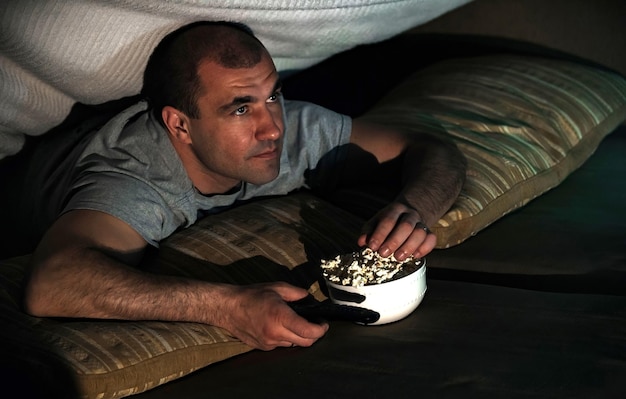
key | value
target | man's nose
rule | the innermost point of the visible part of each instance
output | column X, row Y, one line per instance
column 270, row 126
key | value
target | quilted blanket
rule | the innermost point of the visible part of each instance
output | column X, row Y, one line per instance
column 54, row 53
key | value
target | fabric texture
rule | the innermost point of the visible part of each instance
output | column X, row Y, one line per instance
column 524, row 124
column 55, row 53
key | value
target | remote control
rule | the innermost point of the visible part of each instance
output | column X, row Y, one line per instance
column 316, row 311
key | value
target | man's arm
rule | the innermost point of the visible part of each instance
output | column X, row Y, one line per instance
column 433, row 173
column 83, row 268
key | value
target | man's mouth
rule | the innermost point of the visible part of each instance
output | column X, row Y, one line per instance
column 268, row 154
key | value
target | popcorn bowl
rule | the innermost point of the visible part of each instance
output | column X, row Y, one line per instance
column 393, row 300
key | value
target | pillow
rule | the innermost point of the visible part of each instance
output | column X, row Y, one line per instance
column 273, row 239
column 524, row 123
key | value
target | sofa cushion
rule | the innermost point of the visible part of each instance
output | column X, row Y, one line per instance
column 523, row 123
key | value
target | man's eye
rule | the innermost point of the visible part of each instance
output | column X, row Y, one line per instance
column 241, row 110
column 274, row 97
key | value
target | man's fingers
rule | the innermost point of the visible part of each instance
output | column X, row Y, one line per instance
column 398, row 231
column 389, row 224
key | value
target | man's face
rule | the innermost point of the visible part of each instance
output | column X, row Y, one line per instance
column 239, row 134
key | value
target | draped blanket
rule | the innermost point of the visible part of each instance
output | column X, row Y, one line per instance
column 54, row 53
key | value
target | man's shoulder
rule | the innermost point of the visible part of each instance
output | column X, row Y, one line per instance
column 307, row 115
column 132, row 134
column 299, row 106
column 132, row 156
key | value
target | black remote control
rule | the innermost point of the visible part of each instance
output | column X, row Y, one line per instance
column 315, row 311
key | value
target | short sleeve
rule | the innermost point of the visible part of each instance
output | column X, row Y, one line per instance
column 130, row 200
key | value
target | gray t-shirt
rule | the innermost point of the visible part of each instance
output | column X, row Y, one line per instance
column 129, row 169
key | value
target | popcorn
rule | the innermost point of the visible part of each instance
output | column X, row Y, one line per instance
column 366, row 267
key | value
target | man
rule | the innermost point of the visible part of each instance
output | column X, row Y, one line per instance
column 216, row 131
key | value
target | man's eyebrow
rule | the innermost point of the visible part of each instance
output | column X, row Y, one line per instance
column 278, row 86
column 248, row 99
column 238, row 101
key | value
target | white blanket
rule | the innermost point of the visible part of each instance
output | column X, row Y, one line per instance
column 56, row 53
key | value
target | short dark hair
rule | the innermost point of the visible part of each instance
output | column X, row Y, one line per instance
column 171, row 75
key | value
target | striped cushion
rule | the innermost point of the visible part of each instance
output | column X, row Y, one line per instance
column 524, row 124
column 267, row 240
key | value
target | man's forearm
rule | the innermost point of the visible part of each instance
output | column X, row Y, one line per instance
column 84, row 282
column 433, row 176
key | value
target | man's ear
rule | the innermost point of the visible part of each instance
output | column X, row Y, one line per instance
column 177, row 124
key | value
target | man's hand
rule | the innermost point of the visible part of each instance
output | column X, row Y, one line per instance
column 397, row 229
column 432, row 175
column 262, row 318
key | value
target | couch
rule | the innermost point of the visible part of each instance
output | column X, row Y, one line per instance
column 526, row 292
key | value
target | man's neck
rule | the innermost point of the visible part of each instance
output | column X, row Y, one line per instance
column 200, row 177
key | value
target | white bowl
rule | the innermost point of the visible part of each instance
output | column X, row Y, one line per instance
column 393, row 300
